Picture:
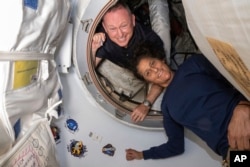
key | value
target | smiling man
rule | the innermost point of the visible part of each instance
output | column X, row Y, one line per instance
column 120, row 33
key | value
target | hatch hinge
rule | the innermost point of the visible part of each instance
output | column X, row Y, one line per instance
column 86, row 79
column 119, row 114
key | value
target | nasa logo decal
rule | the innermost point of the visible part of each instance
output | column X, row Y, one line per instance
column 72, row 125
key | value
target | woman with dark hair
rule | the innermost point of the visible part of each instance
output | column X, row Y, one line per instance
column 198, row 98
column 119, row 34
column 143, row 50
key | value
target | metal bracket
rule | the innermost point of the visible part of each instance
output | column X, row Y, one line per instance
column 86, row 24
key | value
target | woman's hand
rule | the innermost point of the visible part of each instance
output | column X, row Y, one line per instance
column 132, row 154
column 139, row 113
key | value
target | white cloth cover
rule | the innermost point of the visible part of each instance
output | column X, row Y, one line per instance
column 29, row 84
column 221, row 29
column 120, row 79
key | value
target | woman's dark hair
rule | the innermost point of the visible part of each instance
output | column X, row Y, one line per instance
column 145, row 49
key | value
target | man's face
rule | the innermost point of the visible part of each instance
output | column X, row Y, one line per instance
column 155, row 71
column 119, row 25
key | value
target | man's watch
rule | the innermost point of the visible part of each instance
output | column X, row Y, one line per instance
column 147, row 103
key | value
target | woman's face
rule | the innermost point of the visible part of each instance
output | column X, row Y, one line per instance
column 119, row 25
column 155, row 71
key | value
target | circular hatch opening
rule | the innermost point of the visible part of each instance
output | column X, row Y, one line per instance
column 103, row 81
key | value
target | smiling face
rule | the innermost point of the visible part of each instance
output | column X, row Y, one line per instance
column 119, row 25
column 155, row 71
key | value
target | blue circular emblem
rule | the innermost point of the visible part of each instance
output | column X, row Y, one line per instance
column 72, row 124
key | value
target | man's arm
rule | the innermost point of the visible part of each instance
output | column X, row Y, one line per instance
column 239, row 127
column 140, row 112
column 97, row 42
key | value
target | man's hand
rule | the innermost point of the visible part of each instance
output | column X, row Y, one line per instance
column 139, row 113
column 132, row 154
column 97, row 42
column 239, row 127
